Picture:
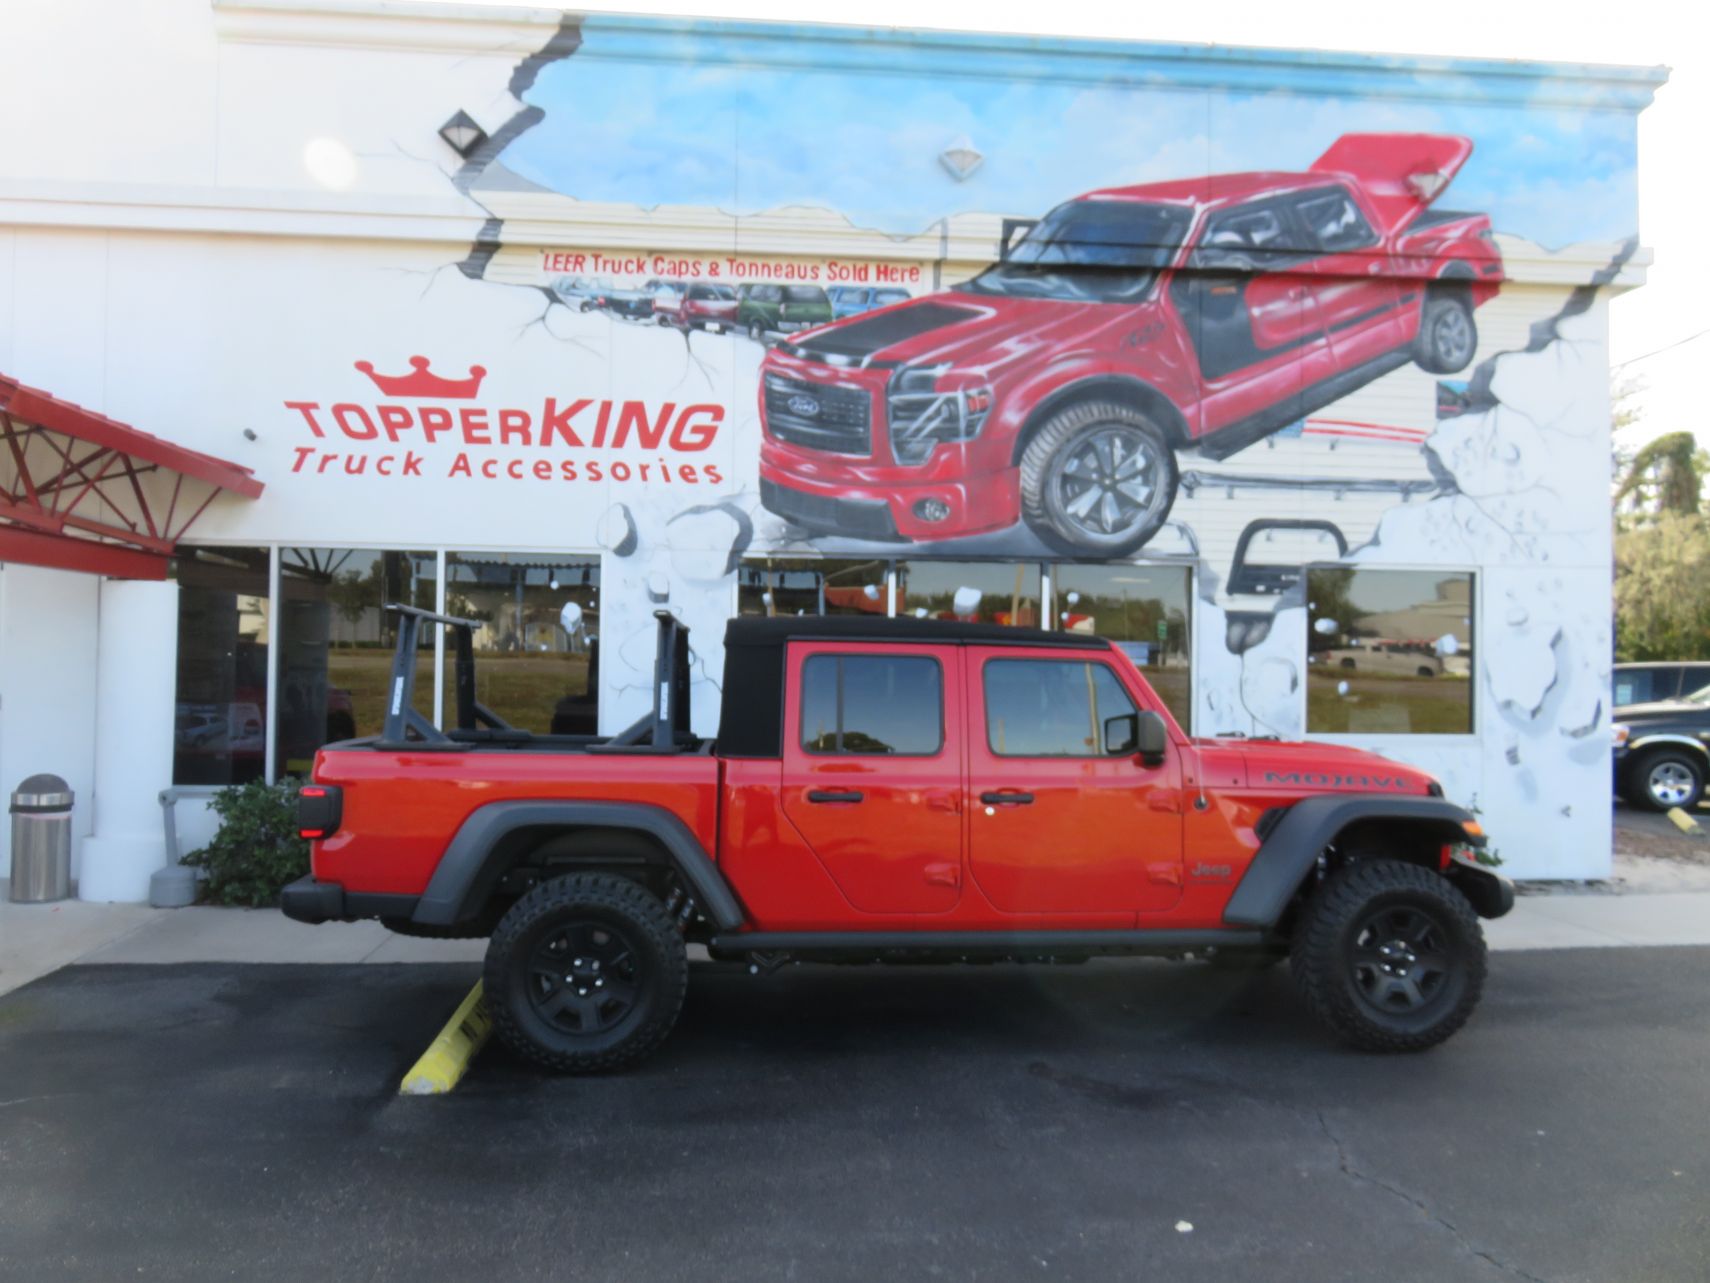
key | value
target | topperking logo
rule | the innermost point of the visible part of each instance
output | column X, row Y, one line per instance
column 422, row 423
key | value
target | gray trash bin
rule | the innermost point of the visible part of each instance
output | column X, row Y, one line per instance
column 41, row 840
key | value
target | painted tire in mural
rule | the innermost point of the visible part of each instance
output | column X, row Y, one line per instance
column 1389, row 956
column 1098, row 479
column 585, row 973
column 1665, row 778
column 1448, row 335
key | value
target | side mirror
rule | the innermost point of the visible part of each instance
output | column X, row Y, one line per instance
column 1152, row 738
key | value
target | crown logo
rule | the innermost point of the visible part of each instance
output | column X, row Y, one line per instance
column 422, row 382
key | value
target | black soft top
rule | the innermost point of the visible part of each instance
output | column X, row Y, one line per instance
column 752, row 711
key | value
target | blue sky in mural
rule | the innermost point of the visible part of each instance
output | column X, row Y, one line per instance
column 678, row 128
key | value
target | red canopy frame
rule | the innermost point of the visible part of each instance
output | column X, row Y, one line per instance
column 74, row 497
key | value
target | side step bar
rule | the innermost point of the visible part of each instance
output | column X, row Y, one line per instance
column 1002, row 944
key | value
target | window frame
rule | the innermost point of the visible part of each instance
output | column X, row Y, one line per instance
column 840, row 656
column 1136, row 707
column 1300, row 200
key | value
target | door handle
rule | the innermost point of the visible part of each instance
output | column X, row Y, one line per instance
column 834, row 795
column 1006, row 798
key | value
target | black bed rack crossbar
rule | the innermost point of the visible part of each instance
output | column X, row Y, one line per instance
column 661, row 730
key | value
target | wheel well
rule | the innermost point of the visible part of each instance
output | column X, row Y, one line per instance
column 1637, row 753
column 1129, row 392
column 1455, row 282
column 1409, row 841
column 529, row 855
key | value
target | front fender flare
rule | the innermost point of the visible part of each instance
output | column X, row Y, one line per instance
column 466, row 872
column 1289, row 852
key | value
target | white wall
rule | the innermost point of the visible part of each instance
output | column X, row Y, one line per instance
column 48, row 624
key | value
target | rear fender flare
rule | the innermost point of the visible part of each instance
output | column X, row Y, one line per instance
column 471, row 865
column 1289, row 853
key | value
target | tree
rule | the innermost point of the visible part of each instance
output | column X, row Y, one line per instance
column 1662, row 589
column 1666, row 475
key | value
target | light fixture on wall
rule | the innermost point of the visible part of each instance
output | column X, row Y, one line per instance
column 961, row 158
column 462, row 134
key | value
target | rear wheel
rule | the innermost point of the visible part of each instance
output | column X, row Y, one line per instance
column 1665, row 778
column 1389, row 956
column 585, row 973
column 1448, row 336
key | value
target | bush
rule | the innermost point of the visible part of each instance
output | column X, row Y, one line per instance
column 257, row 850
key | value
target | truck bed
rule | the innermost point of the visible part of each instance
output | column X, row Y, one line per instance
column 402, row 806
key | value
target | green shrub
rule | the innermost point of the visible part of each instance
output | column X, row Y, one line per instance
column 257, row 850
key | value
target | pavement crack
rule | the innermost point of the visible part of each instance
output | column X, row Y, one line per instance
column 1346, row 1165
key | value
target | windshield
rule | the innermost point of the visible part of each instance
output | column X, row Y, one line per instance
column 1091, row 251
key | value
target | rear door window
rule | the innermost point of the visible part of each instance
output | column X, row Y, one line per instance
column 1333, row 222
column 891, row 704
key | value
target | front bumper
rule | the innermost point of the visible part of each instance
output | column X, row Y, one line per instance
column 823, row 495
column 307, row 900
column 1490, row 894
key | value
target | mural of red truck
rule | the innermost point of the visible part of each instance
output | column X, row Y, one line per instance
column 1055, row 387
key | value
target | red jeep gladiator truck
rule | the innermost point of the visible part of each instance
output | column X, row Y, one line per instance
column 1128, row 323
column 890, row 790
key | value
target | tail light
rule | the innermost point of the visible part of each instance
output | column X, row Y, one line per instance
column 320, row 809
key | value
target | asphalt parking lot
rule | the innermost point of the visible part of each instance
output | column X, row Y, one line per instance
column 217, row 1120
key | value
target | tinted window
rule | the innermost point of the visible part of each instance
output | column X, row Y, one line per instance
column 804, row 294
column 872, row 704
column 884, row 298
column 1333, row 222
column 1050, row 708
column 767, row 293
column 1635, row 686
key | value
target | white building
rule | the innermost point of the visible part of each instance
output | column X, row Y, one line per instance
column 399, row 286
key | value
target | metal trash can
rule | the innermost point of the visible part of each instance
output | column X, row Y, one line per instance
column 41, row 840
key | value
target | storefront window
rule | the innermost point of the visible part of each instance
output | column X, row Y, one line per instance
column 991, row 592
column 220, row 717
column 811, row 586
column 537, row 652
column 1144, row 610
column 1389, row 652
column 336, row 640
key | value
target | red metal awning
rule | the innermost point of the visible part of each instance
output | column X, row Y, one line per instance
column 80, row 491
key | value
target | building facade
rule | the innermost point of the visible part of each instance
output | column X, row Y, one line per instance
column 1287, row 371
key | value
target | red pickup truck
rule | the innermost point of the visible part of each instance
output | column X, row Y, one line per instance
column 1128, row 323
column 891, row 790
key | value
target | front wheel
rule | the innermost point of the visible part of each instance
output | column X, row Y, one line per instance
column 585, row 973
column 1389, row 956
column 1448, row 337
column 1665, row 778
column 1097, row 479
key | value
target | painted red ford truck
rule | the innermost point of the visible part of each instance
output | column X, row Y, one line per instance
column 1128, row 323
column 890, row 790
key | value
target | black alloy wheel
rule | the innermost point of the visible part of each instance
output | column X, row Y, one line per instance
column 585, row 973
column 1389, row 955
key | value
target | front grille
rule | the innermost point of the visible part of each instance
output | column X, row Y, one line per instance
column 819, row 416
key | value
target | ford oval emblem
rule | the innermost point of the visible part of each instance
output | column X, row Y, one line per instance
column 804, row 405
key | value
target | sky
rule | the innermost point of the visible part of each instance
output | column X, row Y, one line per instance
column 1660, row 334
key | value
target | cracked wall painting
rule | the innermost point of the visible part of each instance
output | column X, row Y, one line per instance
column 730, row 296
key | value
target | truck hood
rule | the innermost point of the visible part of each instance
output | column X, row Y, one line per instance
column 969, row 330
column 1318, row 768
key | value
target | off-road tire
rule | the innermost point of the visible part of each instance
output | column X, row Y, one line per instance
column 1328, row 966
column 1682, row 768
column 622, row 909
column 1448, row 335
column 1056, row 441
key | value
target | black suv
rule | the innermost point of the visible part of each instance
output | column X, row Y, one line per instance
column 1662, row 751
